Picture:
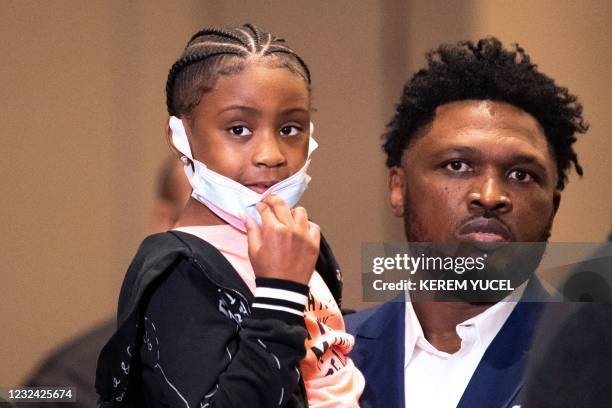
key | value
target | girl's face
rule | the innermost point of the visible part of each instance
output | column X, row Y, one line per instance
column 253, row 127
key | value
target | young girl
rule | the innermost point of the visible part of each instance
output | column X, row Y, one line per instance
column 227, row 310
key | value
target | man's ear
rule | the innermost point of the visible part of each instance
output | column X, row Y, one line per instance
column 556, row 201
column 396, row 190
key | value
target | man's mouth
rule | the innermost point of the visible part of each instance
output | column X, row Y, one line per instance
column 484, row 230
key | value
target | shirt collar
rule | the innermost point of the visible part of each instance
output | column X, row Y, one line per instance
column 486, row 326
column 414, row 332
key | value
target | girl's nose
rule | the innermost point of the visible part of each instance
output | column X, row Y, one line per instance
column 267, row 151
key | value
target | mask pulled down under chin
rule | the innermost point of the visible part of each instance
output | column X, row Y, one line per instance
column 228, row 199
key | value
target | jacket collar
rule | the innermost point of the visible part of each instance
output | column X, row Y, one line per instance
column 379, row 353
column 499, row 376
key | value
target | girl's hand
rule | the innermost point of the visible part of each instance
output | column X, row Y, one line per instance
column 286, row 245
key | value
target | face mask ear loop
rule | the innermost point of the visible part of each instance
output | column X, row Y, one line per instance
column 180, row 143
column 179, row 137
column 188, row 162
column 312, row 144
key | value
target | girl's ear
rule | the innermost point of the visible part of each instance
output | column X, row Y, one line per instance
column 169, row 141
column 173, row 148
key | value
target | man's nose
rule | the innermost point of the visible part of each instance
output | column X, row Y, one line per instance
column 268, row 151
column 489, row 194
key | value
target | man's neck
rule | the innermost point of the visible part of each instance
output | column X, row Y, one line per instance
column 439, row 321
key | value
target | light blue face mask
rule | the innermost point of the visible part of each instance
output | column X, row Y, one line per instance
column 227, row 198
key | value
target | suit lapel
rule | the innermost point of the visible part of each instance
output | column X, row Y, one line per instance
column 379, row 354
column 499, row 376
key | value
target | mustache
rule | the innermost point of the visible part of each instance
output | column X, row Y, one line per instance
column 488, row 223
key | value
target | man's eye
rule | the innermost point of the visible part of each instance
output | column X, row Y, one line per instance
column 520, row 175
column 289, row 131
column 457, row 166
column 240, row 131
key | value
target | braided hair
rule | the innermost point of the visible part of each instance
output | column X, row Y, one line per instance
column 486, row 71
column 213, row 52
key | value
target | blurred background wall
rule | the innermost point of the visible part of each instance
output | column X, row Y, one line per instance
column 83, row 115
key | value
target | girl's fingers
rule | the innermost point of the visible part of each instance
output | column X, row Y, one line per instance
column 300, row 217
column 280, row 209
column 267, row 215
column 253, row 234
column 314, row 232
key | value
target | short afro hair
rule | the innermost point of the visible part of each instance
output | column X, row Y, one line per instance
column 486, row 71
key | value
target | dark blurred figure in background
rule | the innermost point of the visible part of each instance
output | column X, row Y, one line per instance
column 571, row 360
column 74, row 363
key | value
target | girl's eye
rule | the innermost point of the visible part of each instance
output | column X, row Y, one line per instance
column 240, row 131
column 289, row 131
column 457, row 166
column 520, row 175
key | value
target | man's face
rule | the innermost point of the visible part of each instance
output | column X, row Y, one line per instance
column 482, row 172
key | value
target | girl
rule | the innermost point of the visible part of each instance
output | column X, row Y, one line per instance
column 223, row 311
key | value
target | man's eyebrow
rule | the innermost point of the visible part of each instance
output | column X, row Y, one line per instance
column 528, row 159
column 461, row 150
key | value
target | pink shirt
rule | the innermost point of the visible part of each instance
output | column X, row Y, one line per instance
column 330, row 377
column 232, row 243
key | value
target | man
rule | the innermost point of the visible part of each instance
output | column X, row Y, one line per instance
column 74, row 364
column 479, row 151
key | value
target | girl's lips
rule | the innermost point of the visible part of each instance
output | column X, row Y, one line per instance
column 258, row 188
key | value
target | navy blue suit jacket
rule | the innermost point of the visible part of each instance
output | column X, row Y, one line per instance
column 496, row 383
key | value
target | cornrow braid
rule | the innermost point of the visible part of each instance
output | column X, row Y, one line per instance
column 213, row 52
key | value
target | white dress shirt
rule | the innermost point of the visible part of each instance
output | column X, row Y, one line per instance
column 435, row 379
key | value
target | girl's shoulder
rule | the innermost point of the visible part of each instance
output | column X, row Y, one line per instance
column 160, row 250
column 172, row 242
column 162, row 254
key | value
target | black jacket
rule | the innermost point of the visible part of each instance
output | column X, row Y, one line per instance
column 187, row 335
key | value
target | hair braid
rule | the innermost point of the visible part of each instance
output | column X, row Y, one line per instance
column 214, row 32
column 213, row 52
column 276, row 48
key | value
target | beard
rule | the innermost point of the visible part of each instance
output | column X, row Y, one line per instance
column 415, row 230
column 512, row 261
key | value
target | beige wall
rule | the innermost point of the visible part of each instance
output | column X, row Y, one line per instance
column 82, row 125
column 83, row 113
